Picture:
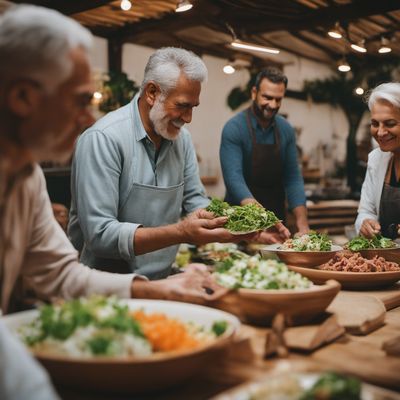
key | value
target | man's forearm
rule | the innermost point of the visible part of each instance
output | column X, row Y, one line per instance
column 300, row 213
column 151, row 239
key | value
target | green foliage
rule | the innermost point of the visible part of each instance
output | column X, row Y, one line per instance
column 118, row 90
column 334, row 386
column 239, row 95
column 377, row 242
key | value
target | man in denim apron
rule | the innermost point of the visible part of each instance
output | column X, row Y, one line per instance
column 135, row 174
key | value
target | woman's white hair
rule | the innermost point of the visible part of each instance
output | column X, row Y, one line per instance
column 35, row 43
column 166, row 64
column 388, row 92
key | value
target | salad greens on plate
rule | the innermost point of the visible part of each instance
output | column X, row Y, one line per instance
column 311, row 241
column 363, row 243
column 243, row 219
column 254, row 273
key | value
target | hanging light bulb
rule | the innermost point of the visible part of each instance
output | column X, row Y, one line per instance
column 359, row 91
column 343, row 65
column 229, row 69
column 384, row 48
column 336, row 31
column 183, row 5
column 126, row 5
column 360, row 46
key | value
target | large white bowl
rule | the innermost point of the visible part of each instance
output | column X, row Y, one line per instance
column 132, row 375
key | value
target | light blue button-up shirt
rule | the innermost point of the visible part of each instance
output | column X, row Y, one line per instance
column 113, row 162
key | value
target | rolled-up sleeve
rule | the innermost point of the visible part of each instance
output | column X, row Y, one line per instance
column 95, row 183
column 194, row 195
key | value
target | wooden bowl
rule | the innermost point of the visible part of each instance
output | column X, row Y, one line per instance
column 392, row 254
column 350, row 280
column 260, row 306
column 135, row 375
column 300, row 258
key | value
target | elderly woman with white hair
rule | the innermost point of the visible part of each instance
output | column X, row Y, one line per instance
column 379, row 210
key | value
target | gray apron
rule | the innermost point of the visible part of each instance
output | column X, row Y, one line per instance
column 151, row 206
column 389, row 208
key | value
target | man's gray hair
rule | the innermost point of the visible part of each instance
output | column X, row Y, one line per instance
column 389, row 92
column 35, row 43
column 166, row 64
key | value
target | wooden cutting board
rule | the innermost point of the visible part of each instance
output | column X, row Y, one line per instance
column 357, row 312
column 390, row 297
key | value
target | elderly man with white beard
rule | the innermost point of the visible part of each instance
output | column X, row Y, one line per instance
column 135, row 174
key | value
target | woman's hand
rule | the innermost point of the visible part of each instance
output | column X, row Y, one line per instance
column 369, row 228
column 195, row 285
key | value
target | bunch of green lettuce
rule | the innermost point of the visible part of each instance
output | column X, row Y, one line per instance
column 377, row 242
column 333, row 386
column 247, row 218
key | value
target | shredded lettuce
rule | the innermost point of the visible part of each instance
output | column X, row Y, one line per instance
column 247, row 218
column 377, row 242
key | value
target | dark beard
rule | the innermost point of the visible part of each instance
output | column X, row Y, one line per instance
column 260, row 114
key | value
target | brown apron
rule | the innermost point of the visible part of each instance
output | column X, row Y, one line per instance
column 389, row 208
column 266, row 181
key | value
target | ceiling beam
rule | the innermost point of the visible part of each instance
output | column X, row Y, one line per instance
column 320, row 17
column 67, row 7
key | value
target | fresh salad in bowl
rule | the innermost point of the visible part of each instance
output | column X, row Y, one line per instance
column 100, row 326
column 312, row 241
column 255, row 273
column 377, row 242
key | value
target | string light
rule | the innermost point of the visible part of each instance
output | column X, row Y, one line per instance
column 229, row 69
column 336, row 31
column 343, row 65
column 384, row 48
column 184, row 5
column 360, row 47
column 359, row 91
column 126, row 5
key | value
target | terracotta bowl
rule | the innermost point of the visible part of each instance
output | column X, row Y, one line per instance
column 350, row 280
column 135, row 375
column 300, row 258
column 392, row 254
column 260, row 306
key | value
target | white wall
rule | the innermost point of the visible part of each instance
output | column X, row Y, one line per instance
column 320, row 124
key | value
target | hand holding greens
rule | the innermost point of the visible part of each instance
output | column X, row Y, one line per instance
column 377, row 242
column 242, row 219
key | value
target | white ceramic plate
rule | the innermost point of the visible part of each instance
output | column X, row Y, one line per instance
column 270, row 384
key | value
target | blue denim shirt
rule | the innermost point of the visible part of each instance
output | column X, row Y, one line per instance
column 112, row 159
column 236, row 158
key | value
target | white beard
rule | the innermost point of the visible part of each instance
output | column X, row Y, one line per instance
column 160, row 122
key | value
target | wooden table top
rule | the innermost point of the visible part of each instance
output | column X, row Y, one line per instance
column 244, row 360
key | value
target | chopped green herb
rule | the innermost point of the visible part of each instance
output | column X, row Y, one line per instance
column 247, row 218
column 219, row 327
